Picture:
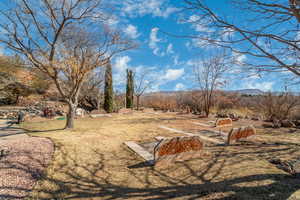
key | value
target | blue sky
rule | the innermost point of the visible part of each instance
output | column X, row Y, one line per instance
column 170, row 60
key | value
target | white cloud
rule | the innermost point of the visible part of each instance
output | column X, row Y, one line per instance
column 176, row 60
column 173, row 74
column 156, row 8
column 193, row 18
column 112, row 21
column 239, row 58
column 170, row 49
column 200, row 27
column 204, row 44
column 154, row 40
column 167, row 12
column 264, row 86
column 164, row 76
column 161, row 76
column 119, row 68
column 179, row 86
column 227, row 33
column 157, row 52
column 205, row 41
column 131, row 31
column 188, row 45
column 194, row 62
column 121, row 63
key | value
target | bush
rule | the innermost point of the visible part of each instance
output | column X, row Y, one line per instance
column 278, row 107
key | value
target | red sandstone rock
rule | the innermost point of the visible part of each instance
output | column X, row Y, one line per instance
column 240, row 133
column 177, row 149
column 223, row 122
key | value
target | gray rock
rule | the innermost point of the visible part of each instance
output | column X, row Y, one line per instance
column 296, row 167
column 276, row 123
column 290, row 166
column 222, row 115
column 296, row 122
column 255, row 118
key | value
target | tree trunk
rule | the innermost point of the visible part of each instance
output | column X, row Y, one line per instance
column 138, row 103
column 17, row 99
column 207, row 110
column 206, row 113
column 71, row 116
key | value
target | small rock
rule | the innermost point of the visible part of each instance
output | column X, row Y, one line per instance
column 255, row 118
column 59, row 113
column 287, row 124
column 80, row 112
column 222, row 115
column 276, row 123
column 296, row 122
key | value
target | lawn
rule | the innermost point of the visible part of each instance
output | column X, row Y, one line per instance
column 91, row 162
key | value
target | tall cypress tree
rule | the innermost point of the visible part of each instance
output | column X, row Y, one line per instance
column 108, row 90
column 129, row 89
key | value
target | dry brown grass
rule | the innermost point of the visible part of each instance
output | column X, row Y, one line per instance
column 91, row 162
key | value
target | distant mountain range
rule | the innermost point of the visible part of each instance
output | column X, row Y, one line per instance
column 249, row 91
column 242, row 92
column 259, row 92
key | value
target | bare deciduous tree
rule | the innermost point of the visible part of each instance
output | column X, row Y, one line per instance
column 268, row 33
column 65, row 39
column 190, row 101
column 142, row 83
column 209, row 75
column 277, row 107
column 92, row 91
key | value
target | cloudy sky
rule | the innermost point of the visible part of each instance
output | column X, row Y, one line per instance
column 171, row 60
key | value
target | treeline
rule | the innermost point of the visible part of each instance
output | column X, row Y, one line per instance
column 268, row 106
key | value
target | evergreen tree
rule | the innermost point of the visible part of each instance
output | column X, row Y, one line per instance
column 108, row 90
column 129, row 89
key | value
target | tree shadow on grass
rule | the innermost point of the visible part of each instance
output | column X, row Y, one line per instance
column 12, row 129
column 28, row 131
column 75, row 180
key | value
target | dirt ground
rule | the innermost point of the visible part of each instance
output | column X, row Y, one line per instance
column 92, row 162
